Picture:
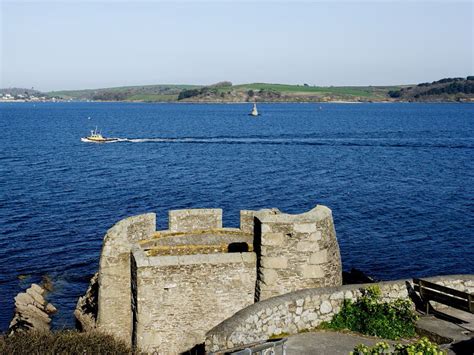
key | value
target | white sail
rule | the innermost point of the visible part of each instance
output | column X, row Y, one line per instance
column 254, row 110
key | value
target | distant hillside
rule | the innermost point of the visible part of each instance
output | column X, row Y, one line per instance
column 448, row 89
column 226, row 92
column 151, row 93
column 21, row 91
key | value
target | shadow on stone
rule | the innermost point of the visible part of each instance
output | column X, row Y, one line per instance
column 238, row 247
column 198, row 349
column 257, row 241
column 465, row 347
column 419, row 304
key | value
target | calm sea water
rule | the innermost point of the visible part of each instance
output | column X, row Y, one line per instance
column 398, row 177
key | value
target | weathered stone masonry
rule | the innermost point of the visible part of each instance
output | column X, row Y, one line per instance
column 162, row 291
column 296, row 252
column 306, row 309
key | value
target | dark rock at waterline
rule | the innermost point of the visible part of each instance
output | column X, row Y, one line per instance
column 356, row 276
column 87, row 306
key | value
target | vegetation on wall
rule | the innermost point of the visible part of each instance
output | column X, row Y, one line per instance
column 370, row 315
column 422, row 346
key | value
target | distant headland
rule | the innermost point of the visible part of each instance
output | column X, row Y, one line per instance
column 444, row 90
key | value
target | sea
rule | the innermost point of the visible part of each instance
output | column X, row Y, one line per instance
column 398, row 177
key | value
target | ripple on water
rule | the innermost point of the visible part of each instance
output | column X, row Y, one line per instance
column 399, row 179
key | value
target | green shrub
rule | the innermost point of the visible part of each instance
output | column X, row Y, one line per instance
column 421, row 347
column 394, row 93
column 62, row 342
column 369, row 315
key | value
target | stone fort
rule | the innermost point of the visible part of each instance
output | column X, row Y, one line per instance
column 162, row 291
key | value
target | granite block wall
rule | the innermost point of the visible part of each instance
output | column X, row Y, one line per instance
column 179, row 298
column 194, row 219
column 114, row 304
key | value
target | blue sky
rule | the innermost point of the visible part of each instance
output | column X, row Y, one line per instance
column 91, row 44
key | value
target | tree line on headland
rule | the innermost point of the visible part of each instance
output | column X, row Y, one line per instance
column 442, row 89
column 447, row 89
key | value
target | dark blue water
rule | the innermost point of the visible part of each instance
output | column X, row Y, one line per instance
column 398, row 177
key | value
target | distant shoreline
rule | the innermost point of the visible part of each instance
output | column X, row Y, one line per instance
column 443, row 90
column 243, row 102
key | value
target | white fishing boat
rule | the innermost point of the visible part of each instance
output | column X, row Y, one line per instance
column 96, row 137
column 254, row 110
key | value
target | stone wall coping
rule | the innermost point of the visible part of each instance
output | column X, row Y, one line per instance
column 132, row 219
column 172, row 233
column 263, row 210
column 317, row 213
column 196, row 211
column 139, row 256
column 239, row 318
column 170, row 237
column 142, row 260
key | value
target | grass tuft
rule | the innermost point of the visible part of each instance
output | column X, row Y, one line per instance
column 62, row 342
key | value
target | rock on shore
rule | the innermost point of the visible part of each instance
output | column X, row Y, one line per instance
column 32, row 311
column 86, row 308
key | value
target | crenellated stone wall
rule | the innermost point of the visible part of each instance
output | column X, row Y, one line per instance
column 163, row 290
column 296, row 252
column 305, row 309
column 194, row 219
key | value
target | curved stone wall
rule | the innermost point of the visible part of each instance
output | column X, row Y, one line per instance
column 295, row 251
column 305, row 309
column 114, row 310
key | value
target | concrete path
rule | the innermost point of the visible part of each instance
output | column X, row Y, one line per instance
column 456, row 334
column 326, row 343
column 451, row 327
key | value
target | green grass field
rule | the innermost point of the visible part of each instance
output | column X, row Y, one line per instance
column 347, row 91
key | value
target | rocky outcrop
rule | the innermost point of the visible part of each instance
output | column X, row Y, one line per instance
column 32, row 311
column 86, row 308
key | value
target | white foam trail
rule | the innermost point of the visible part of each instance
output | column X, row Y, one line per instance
column 144, row 140
column 302, row 141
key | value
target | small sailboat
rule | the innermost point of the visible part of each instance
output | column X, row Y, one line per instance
column 96, row 137
column 254, row 110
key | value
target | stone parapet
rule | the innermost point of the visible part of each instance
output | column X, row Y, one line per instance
column 179, row 298
column 142, row 260
column 247, row 218
column 305, row 309
column 194, row 219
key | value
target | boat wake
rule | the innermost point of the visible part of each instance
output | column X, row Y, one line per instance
column 348, row 142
